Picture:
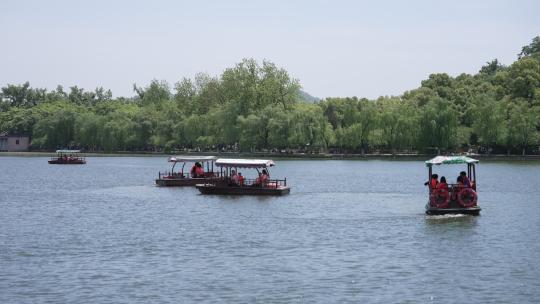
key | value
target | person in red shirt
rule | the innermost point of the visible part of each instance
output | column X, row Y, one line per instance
column 442, row 184
column 465, row 179
column 235, row 179
column 433, row 182
column 193, row 171
column 199, row 170
column 262, row 179
column 240, row 179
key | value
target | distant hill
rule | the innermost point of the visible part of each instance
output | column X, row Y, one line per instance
column 305, row 97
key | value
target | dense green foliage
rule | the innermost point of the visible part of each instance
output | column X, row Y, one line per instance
column 252, row 107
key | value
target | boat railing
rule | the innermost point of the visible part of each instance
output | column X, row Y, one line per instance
column 270, row 183
column 67, row 158
column 455, row 188
column 170, row 174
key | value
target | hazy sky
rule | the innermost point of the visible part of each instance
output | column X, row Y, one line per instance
column 335, row 48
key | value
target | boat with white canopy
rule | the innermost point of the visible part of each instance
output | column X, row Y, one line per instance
column 202, row 168
column 453, row 198
column 233, row 182
column 67, row 157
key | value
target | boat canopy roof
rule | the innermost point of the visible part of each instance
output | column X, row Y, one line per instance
column 191, row 158
column 450, row 160
column 68, row 151
column 244, row 163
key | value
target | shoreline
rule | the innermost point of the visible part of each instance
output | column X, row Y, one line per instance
column 308, row 156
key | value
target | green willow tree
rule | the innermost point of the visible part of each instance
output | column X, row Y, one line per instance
column 398, row 122
column 438, row 126
column 523, row 125
column 488, row 125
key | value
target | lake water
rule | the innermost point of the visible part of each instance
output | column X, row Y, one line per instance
column 350, row 231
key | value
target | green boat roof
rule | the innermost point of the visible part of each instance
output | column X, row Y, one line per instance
column 68, row 151
column 450, row 160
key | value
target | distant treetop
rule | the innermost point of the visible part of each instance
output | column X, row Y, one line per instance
column 531, row 49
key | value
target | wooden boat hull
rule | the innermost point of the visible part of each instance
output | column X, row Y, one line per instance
column 70, row 162
column 228, row 190
column 430, row 210
column 179, row 182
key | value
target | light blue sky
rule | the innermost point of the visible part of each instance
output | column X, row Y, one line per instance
column 335, row 48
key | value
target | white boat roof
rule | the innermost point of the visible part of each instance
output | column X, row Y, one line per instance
column 244, row 163
column 191, row 158
column 68, row 151
column 450, row 160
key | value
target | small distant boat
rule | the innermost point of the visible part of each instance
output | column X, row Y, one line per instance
column 455, row 198
column 229, row 184
column 67, row 157
column 191, row 178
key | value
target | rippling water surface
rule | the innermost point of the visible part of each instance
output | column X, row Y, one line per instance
column 351, row 231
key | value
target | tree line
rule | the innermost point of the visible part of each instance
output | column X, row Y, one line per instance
column 258, row 106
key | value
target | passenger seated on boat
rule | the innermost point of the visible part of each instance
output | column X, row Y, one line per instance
column 193, row 171
column 442, row 184
column 465, row 180
column 459, row 181
column 240, row 179
column 457, row 187
column 433, row 182
column 197, row 170
column 262, row 180
column 235, row 180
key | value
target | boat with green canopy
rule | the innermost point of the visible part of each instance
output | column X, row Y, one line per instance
column 452, row 198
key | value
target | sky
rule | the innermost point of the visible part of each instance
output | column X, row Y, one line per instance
column 334, row 48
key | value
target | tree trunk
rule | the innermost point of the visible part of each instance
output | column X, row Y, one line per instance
column 523, row 152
